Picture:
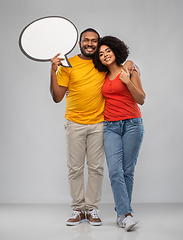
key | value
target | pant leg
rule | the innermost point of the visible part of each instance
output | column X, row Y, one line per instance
column 113, row 145
column 132, row 139
column 76, row 148
column 95, row 160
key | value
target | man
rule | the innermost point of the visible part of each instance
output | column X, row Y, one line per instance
column 84, row 126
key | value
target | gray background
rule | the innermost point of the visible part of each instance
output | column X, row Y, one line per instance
column 33, row 152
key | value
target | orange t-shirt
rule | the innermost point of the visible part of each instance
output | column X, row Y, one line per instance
column 85, row 102
column 120, row 104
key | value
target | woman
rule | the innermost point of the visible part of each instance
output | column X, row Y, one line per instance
column 123, row 127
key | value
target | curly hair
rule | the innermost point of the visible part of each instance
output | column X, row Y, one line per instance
column 119, row 48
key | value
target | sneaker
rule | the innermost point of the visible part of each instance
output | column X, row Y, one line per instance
column 127, row 223
column 93, row 218
column 119, row 221
column 77, row 217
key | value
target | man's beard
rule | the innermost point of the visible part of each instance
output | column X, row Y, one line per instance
column 86, row 54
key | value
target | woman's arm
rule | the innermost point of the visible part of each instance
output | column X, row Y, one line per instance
column 131, row 66
column 133, row 84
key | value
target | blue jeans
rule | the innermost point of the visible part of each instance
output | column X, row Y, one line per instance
column 122, row 141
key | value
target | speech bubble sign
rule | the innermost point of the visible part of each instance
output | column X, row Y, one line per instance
column 45, row 37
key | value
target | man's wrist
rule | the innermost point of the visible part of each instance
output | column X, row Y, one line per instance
column 53, row 71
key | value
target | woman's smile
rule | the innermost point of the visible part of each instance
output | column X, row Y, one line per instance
column 106, row 55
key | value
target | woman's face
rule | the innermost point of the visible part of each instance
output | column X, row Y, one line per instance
column 106, row 55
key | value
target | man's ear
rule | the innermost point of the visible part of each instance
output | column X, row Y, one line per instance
column 79, row 43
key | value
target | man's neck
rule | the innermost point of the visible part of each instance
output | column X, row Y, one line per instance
column 84, row 57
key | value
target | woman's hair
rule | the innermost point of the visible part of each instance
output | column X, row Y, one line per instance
column 119, row 48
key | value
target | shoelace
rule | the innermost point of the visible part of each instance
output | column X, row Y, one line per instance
column 75, row 214
column 124, row 222
column 121, row 220
column 94, row 213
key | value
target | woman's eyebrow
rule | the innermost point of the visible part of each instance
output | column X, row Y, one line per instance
column 104, row 50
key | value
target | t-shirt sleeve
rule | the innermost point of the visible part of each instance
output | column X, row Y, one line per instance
column 63, row 76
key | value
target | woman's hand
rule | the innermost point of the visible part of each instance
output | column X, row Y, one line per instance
column 133, row 85
column 125, row 76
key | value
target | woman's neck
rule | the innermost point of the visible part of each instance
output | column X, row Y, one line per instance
column 114, row 70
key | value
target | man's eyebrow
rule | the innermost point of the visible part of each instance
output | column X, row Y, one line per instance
column 91, row 39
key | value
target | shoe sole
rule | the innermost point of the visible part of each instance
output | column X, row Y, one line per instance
column 94, row 223
column 75, row 223
column 120, row 225
column 128, row 228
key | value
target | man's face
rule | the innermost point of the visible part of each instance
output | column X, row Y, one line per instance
column 88, row 44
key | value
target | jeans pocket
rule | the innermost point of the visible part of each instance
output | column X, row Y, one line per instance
column 136, row 121
column 107, row 124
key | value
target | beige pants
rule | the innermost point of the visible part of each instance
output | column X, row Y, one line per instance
column 85, row 140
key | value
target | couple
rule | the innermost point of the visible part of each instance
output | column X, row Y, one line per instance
column 101, row 114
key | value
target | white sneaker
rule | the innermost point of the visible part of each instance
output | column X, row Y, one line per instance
column 119, row 221
column 127, row 223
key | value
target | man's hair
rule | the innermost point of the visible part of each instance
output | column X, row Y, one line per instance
column 119, row 48
column 89, row 30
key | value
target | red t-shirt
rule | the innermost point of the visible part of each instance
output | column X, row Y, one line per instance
column 120, row 104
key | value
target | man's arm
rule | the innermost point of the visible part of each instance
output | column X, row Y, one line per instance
column 57, row 92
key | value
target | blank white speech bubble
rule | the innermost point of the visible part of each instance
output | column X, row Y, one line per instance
column 43, row 38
